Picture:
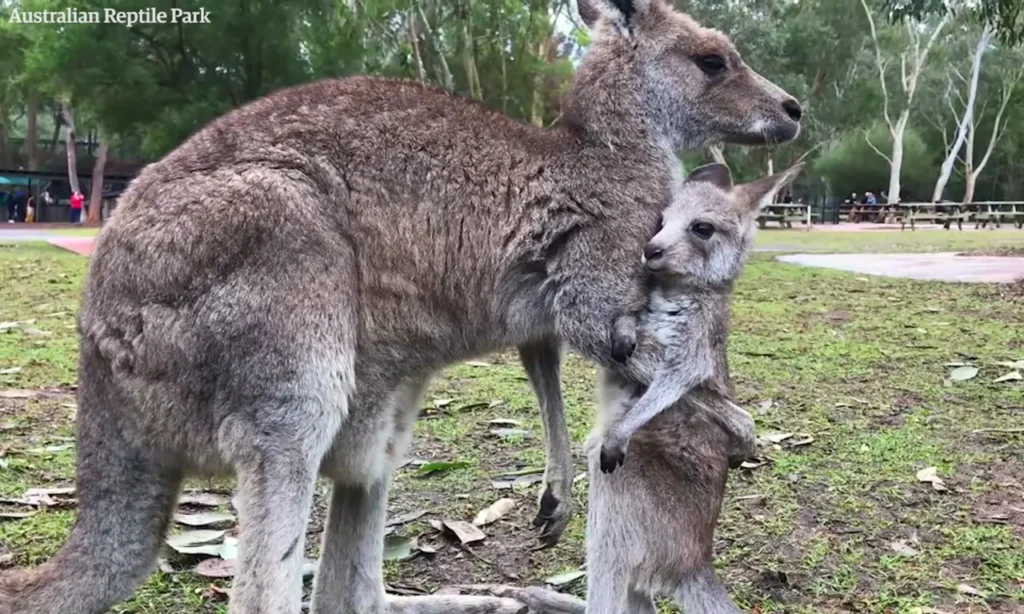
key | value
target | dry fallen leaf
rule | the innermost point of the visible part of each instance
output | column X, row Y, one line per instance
column 962, row 374
column 204, row 499
column 404, row 518
column 16, row 515
column 6, row 559
column 930, row 474
column 496, row 510
column 205, row 519
column 1012, row 376
column 967, row 589
column 903, row 548
column 565, row 578
column 399, row 548
column 215, row 568
column 504, row 422
column 18, row 394
column 466, row 532
column 769, row 438
column 10, row 370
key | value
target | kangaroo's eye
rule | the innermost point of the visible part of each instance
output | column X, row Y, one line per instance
column 702, row 230
column 712, row 64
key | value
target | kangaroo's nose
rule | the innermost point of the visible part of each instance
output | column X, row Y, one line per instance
column 653, row 252
column 793, row 109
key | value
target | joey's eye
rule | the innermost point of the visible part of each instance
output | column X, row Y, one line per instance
column 702, row 230
column 661, row 221
column 712, row 64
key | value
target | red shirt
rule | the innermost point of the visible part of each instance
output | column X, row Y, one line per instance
column 76, row 201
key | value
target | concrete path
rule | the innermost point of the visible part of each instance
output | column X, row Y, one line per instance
column 80, row 245
column 946, row 266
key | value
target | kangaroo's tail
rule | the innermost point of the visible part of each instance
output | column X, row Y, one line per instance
column 126, row 497
column 544, row 601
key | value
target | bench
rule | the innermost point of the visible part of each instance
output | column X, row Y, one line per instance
column 937, row 213
column 785, row 214
column 996, row 212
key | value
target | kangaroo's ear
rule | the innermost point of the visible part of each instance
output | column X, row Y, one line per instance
column 619, row 12
column 717, row 174
column 751, row 196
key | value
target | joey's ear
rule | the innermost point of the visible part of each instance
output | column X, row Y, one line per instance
column 619, row 12
column 717, row 174
column 754, row 194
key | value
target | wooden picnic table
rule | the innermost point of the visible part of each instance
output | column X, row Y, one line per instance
column 996, row 211
column 932, row 212
column 785, row 214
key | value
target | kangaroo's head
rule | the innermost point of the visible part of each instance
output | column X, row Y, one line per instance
column 656, row 72
column 708, row 229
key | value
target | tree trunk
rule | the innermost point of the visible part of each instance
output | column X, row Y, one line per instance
column 897, row 157
column 31, row 131
column 96, row 198
column 970, row 181
column 69, row 140
column 966, row 120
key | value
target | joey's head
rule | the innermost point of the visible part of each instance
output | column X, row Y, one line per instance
column 656, row 72
column 707, row 230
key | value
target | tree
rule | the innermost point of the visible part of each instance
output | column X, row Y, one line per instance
column 967, row 117
column 1005, row 17
column 912, row 61
column 1011, row 76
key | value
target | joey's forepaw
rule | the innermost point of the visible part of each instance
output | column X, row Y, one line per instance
column 622, row 348
column 612, row 458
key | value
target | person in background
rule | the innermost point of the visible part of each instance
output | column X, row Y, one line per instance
column 8, row 201
column 855, row 209
column 76, row 207
column 19, row 204
column 30, row 209
column 871, row 206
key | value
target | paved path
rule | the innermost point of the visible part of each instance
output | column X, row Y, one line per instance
column 946, row 266
column 80, row 245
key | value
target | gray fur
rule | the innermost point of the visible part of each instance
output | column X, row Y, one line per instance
column 651, row 522
column 691, row 283
column 271, row 297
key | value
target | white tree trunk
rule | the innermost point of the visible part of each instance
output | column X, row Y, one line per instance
column 966, row 120
column 896, row 160
column 69, row 139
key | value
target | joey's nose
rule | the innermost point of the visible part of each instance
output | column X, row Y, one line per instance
column 652, row 252
column 793, row 109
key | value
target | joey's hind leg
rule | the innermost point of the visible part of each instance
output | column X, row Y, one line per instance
column 541, row 359
column 277, row 462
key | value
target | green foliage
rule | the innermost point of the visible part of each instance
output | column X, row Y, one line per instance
column 1005, row 16
column 851, row 165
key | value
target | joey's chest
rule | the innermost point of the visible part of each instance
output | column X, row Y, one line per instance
column 672, row 318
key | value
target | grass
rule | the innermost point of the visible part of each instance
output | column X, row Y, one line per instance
column 886, row 241
column 838, row 525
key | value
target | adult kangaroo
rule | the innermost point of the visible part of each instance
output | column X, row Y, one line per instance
column 271, row 298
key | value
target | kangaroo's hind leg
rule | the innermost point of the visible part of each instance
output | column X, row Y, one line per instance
column 542, row 362
column 701, row 592
column 640, row 603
